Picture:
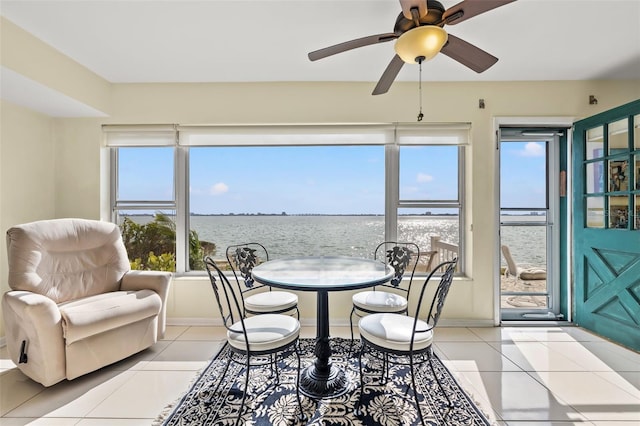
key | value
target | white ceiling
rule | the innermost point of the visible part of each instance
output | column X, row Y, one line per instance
column 268, row 40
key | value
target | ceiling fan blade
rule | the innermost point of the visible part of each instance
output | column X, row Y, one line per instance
column 468, row 54
column 470, row 8
column 407, row 5
column 352, row 44
column 388, row 76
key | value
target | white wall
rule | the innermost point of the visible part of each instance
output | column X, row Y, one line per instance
column 27, row 173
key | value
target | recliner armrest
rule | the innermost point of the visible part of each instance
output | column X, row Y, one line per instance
column 35, row 319
column 157, row 281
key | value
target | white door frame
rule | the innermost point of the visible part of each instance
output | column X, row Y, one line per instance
column 547, row 122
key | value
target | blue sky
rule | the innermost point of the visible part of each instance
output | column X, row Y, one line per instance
column 523, row 174
column 324, row 180
column 295, row 180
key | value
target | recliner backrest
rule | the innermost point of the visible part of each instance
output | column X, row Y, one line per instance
column 66, row 259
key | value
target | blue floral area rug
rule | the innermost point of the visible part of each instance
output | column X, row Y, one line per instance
column 270, row 404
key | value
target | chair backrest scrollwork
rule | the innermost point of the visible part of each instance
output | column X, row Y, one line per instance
column 398, row 258
column 245, row 259
column 403, row 257
column 242, row 259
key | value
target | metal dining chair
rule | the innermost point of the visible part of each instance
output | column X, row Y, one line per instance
column 409, row 340
column 259, row 338
column 242, row 259
column 392, row 296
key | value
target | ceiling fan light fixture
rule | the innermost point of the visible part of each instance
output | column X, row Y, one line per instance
column 420, row 43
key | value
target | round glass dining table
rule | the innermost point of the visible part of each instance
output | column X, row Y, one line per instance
column 322, row 274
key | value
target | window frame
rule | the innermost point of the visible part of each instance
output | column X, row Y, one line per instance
column 392, row 143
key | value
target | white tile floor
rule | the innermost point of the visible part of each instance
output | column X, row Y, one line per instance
column 519, row 376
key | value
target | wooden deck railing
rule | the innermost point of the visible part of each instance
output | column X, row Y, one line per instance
column 443, row 251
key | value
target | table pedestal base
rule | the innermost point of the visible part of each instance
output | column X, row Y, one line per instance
column 318, row 385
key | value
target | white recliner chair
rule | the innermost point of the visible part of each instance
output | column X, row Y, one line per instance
column 74, row 305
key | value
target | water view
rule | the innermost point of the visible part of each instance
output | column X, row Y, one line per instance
column 350, row 235
column 355, row 235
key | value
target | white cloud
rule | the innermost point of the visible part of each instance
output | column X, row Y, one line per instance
column 219, row 188
column 533, row 149
column 424, row 178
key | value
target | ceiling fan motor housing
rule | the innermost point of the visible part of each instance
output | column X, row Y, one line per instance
column 435, row 10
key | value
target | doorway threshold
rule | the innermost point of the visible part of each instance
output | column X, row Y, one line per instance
column 536, row 323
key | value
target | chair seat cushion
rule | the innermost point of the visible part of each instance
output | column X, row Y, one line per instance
column 394, row 331
column 103, row 312
column 533, row 274
column 265, row 332
column 379, row 301
column 269, row 301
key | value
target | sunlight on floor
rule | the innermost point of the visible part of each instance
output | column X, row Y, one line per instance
column 518, row 375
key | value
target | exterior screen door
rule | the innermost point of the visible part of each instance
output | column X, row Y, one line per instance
column 528, row 235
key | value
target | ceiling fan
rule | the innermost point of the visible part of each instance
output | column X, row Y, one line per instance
column 420, row 36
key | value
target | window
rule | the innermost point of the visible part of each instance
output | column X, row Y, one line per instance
column 315, row 200
column 145, row 207
column 300, row 190
column 612, row 167
column 429, row 202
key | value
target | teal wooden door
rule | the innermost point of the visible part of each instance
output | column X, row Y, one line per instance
column 606, row 226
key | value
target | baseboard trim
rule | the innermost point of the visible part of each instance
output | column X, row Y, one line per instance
column 536, row 323
column 465, row 323
column 311, row 322
column 210, row 322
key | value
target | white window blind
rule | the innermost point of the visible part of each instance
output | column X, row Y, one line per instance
column 433, row 134
column 296, row 134
column 256, row 135
column 139, row 135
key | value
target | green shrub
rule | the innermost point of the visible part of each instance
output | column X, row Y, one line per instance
column 142, row 241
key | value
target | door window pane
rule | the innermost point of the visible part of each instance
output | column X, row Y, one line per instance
column 636, row 132
column 618, row 212
column 523, row 175
column 595, row 177
column 594, row 143
column 618, row 175
column 618, row 137
column 636, row 170
column 595, row 212
column 637, row 212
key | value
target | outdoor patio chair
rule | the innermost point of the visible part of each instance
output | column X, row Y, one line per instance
column 257, row 299
column 259, row 338
column 409, row 340
column 525, row 274
column 403, row 257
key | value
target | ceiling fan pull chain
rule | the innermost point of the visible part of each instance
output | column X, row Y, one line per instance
column 420, row 59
